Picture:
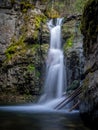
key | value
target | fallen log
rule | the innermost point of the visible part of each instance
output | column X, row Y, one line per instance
column 69, row 98
column 74, row 106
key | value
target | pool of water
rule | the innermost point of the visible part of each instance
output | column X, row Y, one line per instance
column 42, row 120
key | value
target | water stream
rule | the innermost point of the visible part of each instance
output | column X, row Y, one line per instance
column 40, row 121
column 55, row 82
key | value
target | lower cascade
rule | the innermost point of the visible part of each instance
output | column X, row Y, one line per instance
column 55, row 82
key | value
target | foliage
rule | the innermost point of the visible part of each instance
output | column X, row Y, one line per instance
column 69, row 43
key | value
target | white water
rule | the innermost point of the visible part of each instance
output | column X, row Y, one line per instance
column 55, row 82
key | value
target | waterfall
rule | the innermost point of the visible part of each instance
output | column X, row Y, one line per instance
column 55, row 82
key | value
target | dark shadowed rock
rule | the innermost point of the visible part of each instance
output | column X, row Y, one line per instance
column 89, row 98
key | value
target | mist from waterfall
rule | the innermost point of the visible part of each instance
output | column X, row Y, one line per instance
column 55, row 82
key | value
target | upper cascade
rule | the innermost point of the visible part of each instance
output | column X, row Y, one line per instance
column 55, row 32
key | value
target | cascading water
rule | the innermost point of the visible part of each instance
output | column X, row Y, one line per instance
column 55, row 82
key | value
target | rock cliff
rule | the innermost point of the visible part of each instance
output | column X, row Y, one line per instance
column 22, row 53
column 89, row 98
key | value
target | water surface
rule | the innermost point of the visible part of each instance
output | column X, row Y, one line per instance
column 34, row 120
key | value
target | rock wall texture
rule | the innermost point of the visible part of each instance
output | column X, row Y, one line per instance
column 22, row 53
column 73, row 52
column 89, row 98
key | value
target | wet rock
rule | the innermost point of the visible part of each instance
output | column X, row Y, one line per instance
column 73, row 67
column 73, row 51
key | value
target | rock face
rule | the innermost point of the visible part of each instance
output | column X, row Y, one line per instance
column 7, row 30
column 89, row 98
column 73, row 51
column 22, row 53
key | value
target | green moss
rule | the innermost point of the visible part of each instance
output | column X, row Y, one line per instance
column 35, row 21
column 34, row 48
column 25, row 5
column 15, row 48
column 52, row 13
column 38, row 20
column 10, row 51
column 74, row 85
column 69, row 43
column 38, row 74
column 20, row 48
column 31, row 68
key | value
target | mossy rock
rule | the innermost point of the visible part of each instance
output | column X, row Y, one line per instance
column 69, row 43
column 32, row 23
column 74, row 85
column 24, row 5
column 52, row 13
column 15, row 48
